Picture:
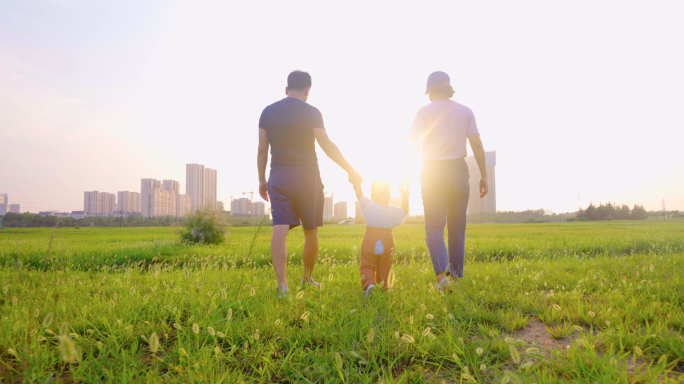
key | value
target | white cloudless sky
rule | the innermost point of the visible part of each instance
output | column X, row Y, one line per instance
column 577, row 98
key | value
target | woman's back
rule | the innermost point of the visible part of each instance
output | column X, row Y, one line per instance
column 443, row 126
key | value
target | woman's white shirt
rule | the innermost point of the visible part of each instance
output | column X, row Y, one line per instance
column 443, row 127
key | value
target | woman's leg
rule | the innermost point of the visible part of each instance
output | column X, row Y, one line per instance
column 457, row 206
column 435, row 206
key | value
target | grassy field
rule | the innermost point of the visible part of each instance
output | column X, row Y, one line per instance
column 546, row 303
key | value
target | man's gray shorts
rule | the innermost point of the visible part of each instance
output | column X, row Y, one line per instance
column 296, row 199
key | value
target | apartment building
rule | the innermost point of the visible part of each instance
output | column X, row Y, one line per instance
column 241, row 207
column 183, row 205
column 340, row 210
column 4, row 203
column 14, row 208
column 486, row 205
column 210, row 176
column 157, row 198
column 128, row 201
column 328, row 212
column 259, row 208
column 194, row 185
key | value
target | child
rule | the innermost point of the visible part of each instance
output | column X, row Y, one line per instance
column 377, row 248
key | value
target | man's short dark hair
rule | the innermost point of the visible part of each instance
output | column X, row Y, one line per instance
column 298, row 80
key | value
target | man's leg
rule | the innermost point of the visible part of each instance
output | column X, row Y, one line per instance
column 310, row 253
column 279, row 252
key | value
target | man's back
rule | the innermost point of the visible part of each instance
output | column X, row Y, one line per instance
column 289, row 124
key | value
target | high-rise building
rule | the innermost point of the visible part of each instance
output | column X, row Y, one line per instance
column 92, row 202
column 4, row 202
column 14, row 208
column 157, row 199
column 194, row 185
column 128, row 201
column 241, row 207
column 259, row 209
column 328, row 208
column 359, row 218
column 210, row 188
column 341, row 210
column 486, row 205
column 183, row 205
column 99, row 203
column 108, row 203
column 172, row 186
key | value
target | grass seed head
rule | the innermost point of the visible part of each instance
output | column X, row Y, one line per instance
column 370, row 336
column 557, row 307
column 338, row 360
column 515, row 355
column 195, row 328
column 277, row 322
column 177, row 326
column 154, row 342
column 229, row 316
column 429, row 316
column 67, row 349
column 408, row 339
column 252, row 291
column 479, row 351
column 220, row 334
column 47, row 320
column 14, row 300
column 300, row 294
column 211, row 331
column 426, row 331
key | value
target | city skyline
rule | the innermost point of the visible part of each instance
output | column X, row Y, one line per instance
column 82, row 100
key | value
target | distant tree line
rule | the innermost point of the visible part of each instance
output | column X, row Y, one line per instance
column 28, row 220
column 610, row 211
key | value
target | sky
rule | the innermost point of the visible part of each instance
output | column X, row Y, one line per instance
column 579, row 99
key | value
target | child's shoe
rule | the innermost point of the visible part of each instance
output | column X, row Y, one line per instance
column 369, row 290
column 312, row 282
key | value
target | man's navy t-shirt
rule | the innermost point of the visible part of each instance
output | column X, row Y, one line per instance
column 289, row 124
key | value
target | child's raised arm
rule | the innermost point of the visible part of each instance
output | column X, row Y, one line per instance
column 358, row 190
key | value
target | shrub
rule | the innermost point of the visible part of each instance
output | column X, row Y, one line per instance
column 77, row 227
column 204, row 227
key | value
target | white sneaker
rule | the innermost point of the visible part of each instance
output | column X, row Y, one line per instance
column 369, row 290
column 445, row 285
column 312, row 282
column 281, row 291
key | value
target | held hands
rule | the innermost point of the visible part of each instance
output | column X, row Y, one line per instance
column 355, row 178
column 263, row 189
column 484, row 188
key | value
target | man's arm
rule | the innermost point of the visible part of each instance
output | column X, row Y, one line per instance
column 478, row 152
column 262, row 159
column 335, row 155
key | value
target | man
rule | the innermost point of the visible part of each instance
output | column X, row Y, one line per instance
column 291, row 127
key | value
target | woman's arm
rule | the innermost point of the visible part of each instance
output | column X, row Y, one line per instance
column 479, row 153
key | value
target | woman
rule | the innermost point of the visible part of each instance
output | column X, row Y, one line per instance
column 442, row 128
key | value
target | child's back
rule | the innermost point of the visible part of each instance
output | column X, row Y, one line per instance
column 377, row 249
